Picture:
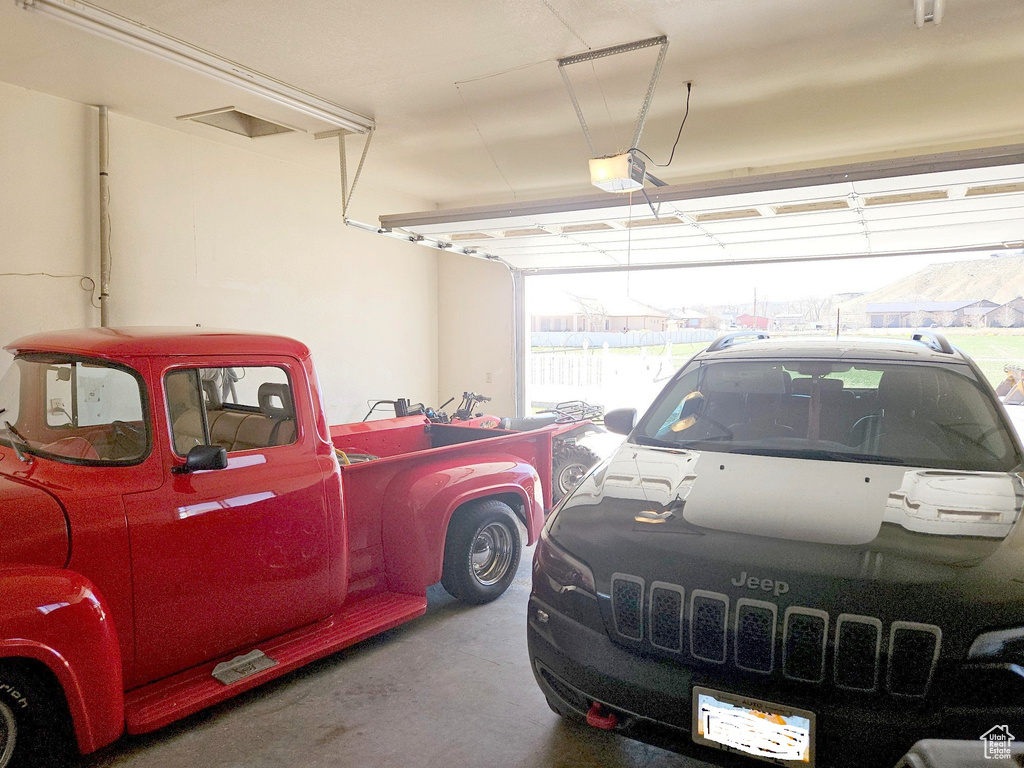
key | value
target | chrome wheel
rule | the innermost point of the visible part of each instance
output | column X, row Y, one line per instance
column 491, row 555
column 8, row 734
column 570, row 476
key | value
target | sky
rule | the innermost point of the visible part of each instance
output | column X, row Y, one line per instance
column 673, row 289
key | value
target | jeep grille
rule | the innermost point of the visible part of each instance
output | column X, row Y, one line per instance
column 755, row 636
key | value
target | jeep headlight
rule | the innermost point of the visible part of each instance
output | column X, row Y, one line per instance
column 1000, row 645
column 564, row 572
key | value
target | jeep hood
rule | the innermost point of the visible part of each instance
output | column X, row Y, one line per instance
column 829, row 529
column 33, row 527
column 804, row 500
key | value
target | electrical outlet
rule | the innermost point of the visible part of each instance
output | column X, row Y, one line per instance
column 489, row 377
column 56, row 405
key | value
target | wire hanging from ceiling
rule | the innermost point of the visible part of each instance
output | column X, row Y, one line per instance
column 482, row 141
column 689, row 87
column 565, row 24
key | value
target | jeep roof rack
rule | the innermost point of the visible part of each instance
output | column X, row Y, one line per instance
column 730, row 339
column 936, row 341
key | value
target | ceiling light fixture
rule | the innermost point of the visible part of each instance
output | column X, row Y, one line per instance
column 618, row 173
column 928, row 10
column 127, row 32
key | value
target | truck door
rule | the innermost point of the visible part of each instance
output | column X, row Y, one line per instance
column 225, row 558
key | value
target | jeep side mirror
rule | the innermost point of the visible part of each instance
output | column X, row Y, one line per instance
column 620, row 421
column 203, row 457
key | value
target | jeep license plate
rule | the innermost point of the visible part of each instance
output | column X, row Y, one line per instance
column 773, row 732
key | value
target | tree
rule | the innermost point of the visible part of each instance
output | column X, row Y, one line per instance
column 917, row 318
column 813, row 308
column 1005, row 317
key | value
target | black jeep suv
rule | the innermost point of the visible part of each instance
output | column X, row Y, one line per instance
column 805, row 552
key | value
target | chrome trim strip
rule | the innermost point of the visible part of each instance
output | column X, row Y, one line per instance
column 682, row 612
column 736, row 632
column 640, row 604
column 721, row 598
column 917, row 627
column 798, row 610
column 853, row 618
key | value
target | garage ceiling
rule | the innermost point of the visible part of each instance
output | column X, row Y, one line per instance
column 470, row 108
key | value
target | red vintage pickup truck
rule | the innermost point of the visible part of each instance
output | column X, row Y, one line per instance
column 178, row 524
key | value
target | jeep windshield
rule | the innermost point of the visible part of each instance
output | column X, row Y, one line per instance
column 891, row 413
column 74, row 411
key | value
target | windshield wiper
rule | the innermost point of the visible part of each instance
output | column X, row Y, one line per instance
column 656, row 442
column 823, row 454
column 18, row 449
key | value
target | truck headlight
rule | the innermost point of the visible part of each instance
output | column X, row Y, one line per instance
column 1000, row 645
column 565, row 572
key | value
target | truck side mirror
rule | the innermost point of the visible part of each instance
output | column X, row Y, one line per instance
column 203, row 457
column 620, row 421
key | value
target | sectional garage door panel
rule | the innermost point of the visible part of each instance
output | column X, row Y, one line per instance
column 974, row 208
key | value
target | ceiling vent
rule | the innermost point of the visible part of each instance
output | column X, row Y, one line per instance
column 820, row 205
column 908, row 197
column 741, row 213
column 663, row 221
column 995, row 189
column 231, row 120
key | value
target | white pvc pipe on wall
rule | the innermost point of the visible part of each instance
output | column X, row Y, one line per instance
column 104, row 222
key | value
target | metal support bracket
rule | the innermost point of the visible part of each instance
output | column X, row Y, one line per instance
column 654, row 210
column 645, row 106
column 346, row 191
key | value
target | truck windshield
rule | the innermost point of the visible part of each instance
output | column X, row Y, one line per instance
column 73, row 411
column 915, row 415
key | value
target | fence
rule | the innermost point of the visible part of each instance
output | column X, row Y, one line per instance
column 600, row 377
column 562, row 339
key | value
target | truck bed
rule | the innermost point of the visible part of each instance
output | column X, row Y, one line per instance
column 402, row 448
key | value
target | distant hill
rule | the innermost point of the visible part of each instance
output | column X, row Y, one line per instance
column 997, row 279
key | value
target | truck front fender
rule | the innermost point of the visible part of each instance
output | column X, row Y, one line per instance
column 420, row 502
column 56, row 617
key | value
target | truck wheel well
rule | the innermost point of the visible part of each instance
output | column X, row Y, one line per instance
column 45, row 675
column 514, row 500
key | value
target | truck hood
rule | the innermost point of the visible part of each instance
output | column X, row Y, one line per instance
column 33, row 527
column 846, row 537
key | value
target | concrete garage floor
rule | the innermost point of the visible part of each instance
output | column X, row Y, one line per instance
column 450, row 689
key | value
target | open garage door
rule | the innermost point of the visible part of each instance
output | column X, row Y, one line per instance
column 964, row 201
column 941, row 205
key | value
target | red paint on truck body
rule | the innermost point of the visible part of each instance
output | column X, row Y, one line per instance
column 130, row 582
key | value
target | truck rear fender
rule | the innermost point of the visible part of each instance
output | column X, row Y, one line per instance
column 58, row 619
column 419, row 504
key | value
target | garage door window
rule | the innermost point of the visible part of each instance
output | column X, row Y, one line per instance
column 238, row 409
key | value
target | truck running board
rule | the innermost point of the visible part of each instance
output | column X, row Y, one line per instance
column 241, row 667
column 157, row 704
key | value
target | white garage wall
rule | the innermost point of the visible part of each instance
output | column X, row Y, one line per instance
column 48, row 199
column 475, row 339
column 204, row 232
